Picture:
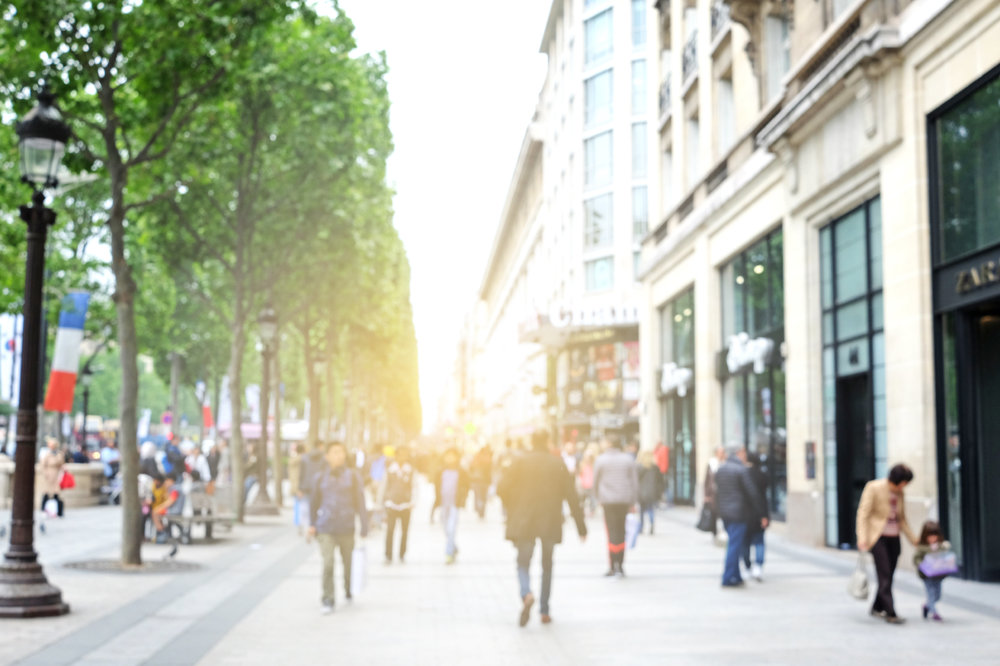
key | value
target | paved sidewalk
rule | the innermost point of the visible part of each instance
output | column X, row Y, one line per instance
column 257, row 602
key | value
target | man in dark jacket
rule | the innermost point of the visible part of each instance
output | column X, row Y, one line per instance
column 533, row 490
column 337, row 495
column 739, row 503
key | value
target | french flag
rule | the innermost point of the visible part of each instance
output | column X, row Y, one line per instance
column 62, row 381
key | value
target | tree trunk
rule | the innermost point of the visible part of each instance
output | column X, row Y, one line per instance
column 313, row 381
column 278, row 453
column 175, row 382
column 125, row 289
column 236, row 448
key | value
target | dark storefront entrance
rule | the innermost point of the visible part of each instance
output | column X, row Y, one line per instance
column 964, row 155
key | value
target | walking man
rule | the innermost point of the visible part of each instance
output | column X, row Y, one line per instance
column 337, row 495
column 739, row 503
column 533, row 491
column 452, row 490
column 398, row 501
column 616, row 478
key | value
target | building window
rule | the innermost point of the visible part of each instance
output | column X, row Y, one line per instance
column 777, row 54
column 640, row 212
column 753, row 389
column 638, row 87
column 638, row 23
column 693, row 139
column 726, row 115
column 667, row 192
column 600, row 274
column 599, row 221
column 854, row 408
column 597, row 157
column 598, row 38
column 636, row 261
column 598, row 95
column 968, row 165
column 689, row 57
column 640, row 151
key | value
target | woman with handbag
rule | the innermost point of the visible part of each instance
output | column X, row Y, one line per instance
column 881, row 519
column 51, row 463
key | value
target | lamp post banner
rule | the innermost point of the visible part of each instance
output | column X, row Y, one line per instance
column 62, row 380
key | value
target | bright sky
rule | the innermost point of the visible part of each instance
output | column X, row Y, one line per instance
column 464, row 80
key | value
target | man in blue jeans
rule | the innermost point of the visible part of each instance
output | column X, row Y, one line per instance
column 739, row 502
column 533, row 490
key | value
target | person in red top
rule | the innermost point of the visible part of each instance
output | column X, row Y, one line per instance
column 662, row 455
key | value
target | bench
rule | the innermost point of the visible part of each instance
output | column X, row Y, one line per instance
column 201, row 508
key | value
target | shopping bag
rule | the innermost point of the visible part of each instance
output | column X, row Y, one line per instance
column 706, row 521
column 631, row 529
column 857, row 585
column 936, row 565
column 51, row 508
column 359, row 570
column 66, row 481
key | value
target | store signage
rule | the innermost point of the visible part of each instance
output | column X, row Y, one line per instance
column 745, row 351
column 675, row 378
column 608, row 315
column 976, row 277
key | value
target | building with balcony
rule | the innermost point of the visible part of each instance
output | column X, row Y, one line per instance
column 559, row 294
column 821, row 277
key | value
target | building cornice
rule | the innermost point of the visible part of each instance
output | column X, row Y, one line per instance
column 729, row 189
column 867, row 51
column 555, row 13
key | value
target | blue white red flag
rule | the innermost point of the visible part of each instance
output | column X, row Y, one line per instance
column 62, row 380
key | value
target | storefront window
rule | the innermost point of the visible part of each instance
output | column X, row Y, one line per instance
column 855, row 430
column 677, row 395
column 968, row 164
column 753, row 390
column 953, row 445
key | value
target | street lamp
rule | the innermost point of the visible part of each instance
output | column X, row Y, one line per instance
column 24, row 590
column 267, row 323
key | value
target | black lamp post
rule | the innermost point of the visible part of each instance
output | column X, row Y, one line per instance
column 24, row 590
column 86, row 379
column 267, row 324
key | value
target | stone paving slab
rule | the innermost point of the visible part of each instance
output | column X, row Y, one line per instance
column 256, row 601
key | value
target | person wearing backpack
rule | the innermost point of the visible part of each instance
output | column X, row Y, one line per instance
column 337, row 496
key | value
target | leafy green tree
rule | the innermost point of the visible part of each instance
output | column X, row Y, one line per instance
column 128, row 107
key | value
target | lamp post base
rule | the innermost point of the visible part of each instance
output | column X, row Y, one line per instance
column 25, row 592
column 262, row 506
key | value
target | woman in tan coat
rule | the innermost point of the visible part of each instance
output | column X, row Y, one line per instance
column 881, row 519
column 52, row 462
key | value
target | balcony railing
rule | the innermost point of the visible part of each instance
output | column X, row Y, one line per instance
column 689, row 60
column 720, row 18
column 665, row 97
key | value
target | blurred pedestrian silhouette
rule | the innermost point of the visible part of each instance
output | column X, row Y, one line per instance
column 616, row 480
column 533, row 491
column 452, row 489
column 398, row 501
column 739, row 504
column 337, row 495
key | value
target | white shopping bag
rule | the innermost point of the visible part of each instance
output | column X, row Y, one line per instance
column 631, row 529
column 359, row 570
column 51, row 508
